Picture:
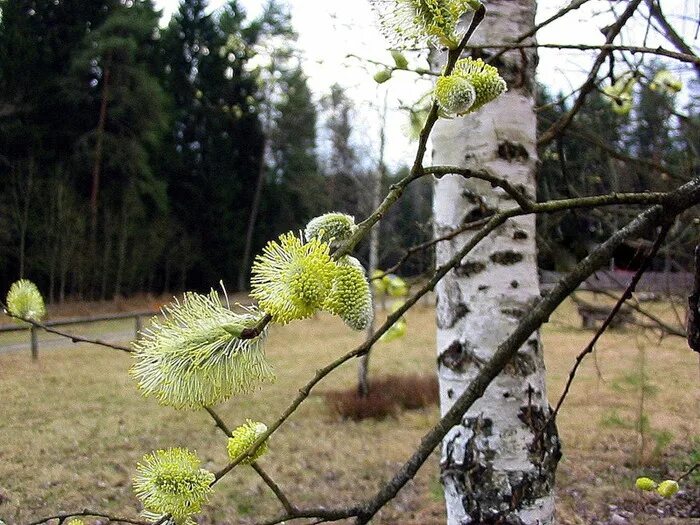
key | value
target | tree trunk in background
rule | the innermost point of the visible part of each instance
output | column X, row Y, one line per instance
column 97, row 171
column 373, row 263
column 252, row 220
column 497, row 466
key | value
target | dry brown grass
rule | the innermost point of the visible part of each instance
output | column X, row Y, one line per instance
column 72, row 428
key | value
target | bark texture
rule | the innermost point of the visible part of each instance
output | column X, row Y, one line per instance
column 498, row 466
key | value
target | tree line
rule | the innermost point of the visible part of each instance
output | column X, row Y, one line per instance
column 142, row 156
column 650, row 145
column 137, row 156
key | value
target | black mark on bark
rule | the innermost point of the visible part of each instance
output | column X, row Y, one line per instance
column 512, row 151
column 507, row 257
column 459, row 356
column 469, row 268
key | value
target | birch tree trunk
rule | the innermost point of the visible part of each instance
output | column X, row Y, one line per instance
column 498, row 466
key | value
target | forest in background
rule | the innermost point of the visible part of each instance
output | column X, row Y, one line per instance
column 132, row 152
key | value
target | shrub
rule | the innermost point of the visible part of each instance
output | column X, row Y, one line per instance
column 387, row 395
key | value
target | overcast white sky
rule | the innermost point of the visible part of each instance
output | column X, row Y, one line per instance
column 329, row 30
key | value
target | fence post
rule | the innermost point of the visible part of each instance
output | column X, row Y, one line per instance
column 35, row 343
column 137, row 327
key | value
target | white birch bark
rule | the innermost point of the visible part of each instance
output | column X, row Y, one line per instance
column 497, row 467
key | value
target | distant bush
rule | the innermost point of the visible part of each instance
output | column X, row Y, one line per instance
column 387, row 396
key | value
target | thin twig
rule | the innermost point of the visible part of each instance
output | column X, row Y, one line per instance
column 693, row 325
column 267, row 479
column 73, row 337
column 518, row 196
column 555, row 205
column 681, row 57
column 416, row 171
column 219, row 422
column 669, row 32
column 291, row 509
column 588, row 86
column 427, row 244
column 86, row 512
column 618, row 305
column 255, row 331
column 689, row 472
column 575, row 4
column 664, row 326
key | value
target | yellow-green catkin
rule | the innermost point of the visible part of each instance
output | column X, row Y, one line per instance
column 382, row 76
column 194, row 356
column 408, row 23
column 667, row 488
column 666, row 82
column 453, row 92
column 400, row 59
column 243, row 437
column 645, row 484
column 291, row 279
column 25, row 301
column 350, row 297
column 396, row 330
column 332, row 228
column 620, row 94
column 171, row 482
column 455, row 95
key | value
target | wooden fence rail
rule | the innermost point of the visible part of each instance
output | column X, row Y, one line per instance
column 33, row 331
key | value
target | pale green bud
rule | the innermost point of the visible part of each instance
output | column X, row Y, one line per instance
column 666, row 82
column 399, row 59
column 378, row 281
column 396, row 330
column 620, row 93
column 667, row 488
column 24, row 300
column 454, row 95
column 645, row 484
column 350, row 296
column 395, row 285
column 332, row 228
column 243, row 437
column 382, row 76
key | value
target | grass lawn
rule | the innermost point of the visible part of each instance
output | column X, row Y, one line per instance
column 73, row 426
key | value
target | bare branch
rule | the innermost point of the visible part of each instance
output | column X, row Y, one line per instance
column 689, row 472
column 575, row 4
column 274, row 488
column 681, row 57
column 219, row 422
column 61, row 517
column 590, row 82
column 73, row 337
column 660, row 323
column 618, row 305
column 670, row 33
column 693, row 325
column 416, row 171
